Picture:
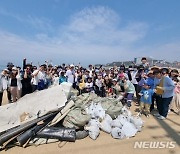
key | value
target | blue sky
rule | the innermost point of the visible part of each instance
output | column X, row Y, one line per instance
column 88, row 31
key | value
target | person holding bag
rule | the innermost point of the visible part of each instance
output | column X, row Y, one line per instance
column 166, row 90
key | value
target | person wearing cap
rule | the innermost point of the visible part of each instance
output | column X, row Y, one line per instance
column 9, row 67
column 70, row 74
column 15, row 84
column 146, row 99
column 3, row 83
column 150, row 82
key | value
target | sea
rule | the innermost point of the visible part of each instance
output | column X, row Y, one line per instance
column 2, row 67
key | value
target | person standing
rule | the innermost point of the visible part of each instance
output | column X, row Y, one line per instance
column 146, row 99
column 167, row 95
column 39, row 78
column 15, row 84
column 129, row 90
column 26, row 81
column 150, row 82
column 3, row 83
column 9, row 68
column 70, row 74
column 145, row 64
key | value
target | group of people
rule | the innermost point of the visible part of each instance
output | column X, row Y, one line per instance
column 149, row 86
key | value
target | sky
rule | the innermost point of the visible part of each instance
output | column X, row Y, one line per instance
column 88, row 31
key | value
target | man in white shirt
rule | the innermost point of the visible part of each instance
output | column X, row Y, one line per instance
column 38, row 76
column 90, row 70
column 70, row 74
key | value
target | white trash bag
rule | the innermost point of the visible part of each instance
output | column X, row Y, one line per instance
column 138, row 122
column 90, row 110
column 129, row 129
column 99, row 111
column 117, row 133
column 105, row 125
column 95, row 110
column 93, row 128
column 116, row 123
column 126, row 112
column 122, row 119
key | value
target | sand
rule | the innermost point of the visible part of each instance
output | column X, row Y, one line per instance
column 154, row 131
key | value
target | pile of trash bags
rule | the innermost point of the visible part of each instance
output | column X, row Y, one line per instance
column 58, row 114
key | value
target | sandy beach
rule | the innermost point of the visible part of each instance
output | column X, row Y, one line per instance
column 153, row 131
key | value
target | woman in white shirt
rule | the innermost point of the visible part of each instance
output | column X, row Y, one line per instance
column 3, row 83
column 15, row 84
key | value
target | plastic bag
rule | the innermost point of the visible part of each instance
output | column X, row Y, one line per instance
column 126, row 112
column 105, row 125
column 122, row 119
column 129, row 129
column 90, row 110
column 95, row 110
column 93, row 128
column 116, row 123
column 117, row 133
column 99, row 111
column 138, row 122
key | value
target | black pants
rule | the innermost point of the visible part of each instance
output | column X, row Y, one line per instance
column 1, row 96
column 34, row 88
column 100, row 91
column 153, row 99
column 158, row 100
column 164, row 106
column 9, row 95
column 138, row 91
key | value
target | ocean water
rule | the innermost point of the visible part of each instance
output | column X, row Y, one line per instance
column 2, row 67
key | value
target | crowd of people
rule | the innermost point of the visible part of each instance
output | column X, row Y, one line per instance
column 148, row 87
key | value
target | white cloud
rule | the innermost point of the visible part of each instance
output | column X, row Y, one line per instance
column 93, row 35
column 42, row 23
column 102, row 25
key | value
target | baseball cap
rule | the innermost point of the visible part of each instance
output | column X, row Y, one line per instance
column 71, row 65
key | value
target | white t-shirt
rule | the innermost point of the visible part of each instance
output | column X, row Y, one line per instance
column 89, row 85
column 41, row 76
column 99, row 83
column 70, row 76
column 133, row 75
column 55, row 81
